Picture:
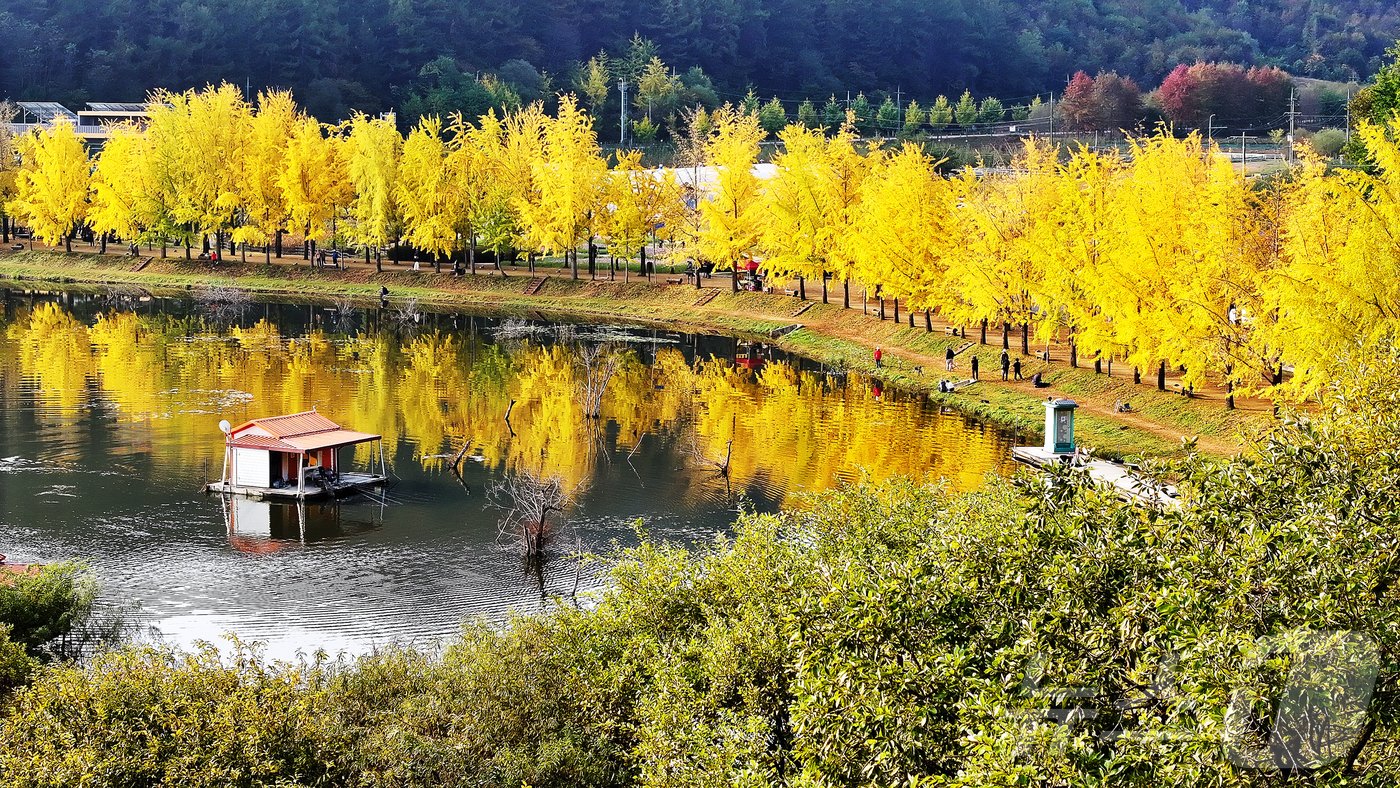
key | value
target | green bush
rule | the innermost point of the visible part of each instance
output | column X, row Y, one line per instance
column 1039, row 632
column 44, row 608
column 1329, row 142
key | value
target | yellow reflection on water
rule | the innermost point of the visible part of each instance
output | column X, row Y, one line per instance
column 170, row 380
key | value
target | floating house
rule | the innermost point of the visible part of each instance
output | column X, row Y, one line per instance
column 297, row 456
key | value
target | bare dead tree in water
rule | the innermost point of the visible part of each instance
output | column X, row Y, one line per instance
column 720, row 466
column 534, row 507
column 598, row 364
column 222, row 302
column 408, row 312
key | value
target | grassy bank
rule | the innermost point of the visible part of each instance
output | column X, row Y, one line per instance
column 830, row 334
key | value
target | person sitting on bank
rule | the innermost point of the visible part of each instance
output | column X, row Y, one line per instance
column 1038, row 381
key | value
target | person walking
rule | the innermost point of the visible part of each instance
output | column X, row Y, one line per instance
column 1016, row 368
column 1005, row 365
column 879, row 355
column 974, row 368
column 948, row 360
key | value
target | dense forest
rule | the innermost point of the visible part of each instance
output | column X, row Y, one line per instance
column 339, row 55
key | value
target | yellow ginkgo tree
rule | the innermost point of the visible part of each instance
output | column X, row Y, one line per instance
column 51, row 191
column 262, row 201
column 314, row 182
column 569, row 178
column 730, row 207
column 373, row 149
column 426, row 191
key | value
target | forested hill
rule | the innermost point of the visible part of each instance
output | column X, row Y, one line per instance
column 341, row 54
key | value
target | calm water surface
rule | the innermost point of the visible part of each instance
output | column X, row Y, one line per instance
column 108, row 431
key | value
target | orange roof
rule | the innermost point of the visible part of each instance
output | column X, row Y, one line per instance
column 325, row 440
column 296, row 432
column 291, row 425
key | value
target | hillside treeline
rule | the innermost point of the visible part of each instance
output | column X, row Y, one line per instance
column 371, row 55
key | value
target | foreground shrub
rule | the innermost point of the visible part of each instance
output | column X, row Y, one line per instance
column 1039, row 632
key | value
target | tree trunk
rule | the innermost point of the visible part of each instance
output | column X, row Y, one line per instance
column 573, row 263
column 1098, row 365
column 5, row 228
column 846, row 298
column 882, row 305
column 187, row 248
column 911, row 318
column 277, row 239
column 1073, row 354
column 1025, row 339
column 592, row 259
column 1162, row 377
column 896, row 310
column 378, row 261
column 1005, row 335
column 801, row 289
column 1137, row 376
column 644, row 262
column 984, row 332
column 1229, row 387
column 734, row 279
column 68, row 242
column 824, row 301
column 928, row 321
column 102, row 248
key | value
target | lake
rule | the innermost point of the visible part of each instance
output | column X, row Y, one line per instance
column 109, row 413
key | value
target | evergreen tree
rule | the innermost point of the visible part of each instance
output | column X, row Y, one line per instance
column 914, row 119
column 860, row 105
column 807, row 114
column 965, row 112
column 991, row 111
column 833, row 114
column 887, row 118
column 940, row 115
column 772, row 117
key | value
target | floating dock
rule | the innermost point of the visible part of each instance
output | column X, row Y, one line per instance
column 1059, row 450
column 1116, row 476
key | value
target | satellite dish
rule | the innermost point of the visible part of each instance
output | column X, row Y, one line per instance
column 224, row 426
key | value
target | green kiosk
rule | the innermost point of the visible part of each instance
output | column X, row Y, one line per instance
column 1059, row 426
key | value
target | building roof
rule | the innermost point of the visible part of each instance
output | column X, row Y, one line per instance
column 115, row 106
column 296, row 432
column 47, row 111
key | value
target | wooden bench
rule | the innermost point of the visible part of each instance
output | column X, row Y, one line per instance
column 790, row 292
column 674, row 280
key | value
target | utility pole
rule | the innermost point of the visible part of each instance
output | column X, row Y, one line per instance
column 1348, row 129
column 1210, row 130
column 899, row 109
column 622, row 120
column 1292, row 117
column 1052, row 115
column 1244, row 152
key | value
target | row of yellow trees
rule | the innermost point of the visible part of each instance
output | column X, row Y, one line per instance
column 1163, row 257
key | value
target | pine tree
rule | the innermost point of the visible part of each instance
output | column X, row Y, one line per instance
column 940, row 115
column 914, row 119
column 965, row 112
